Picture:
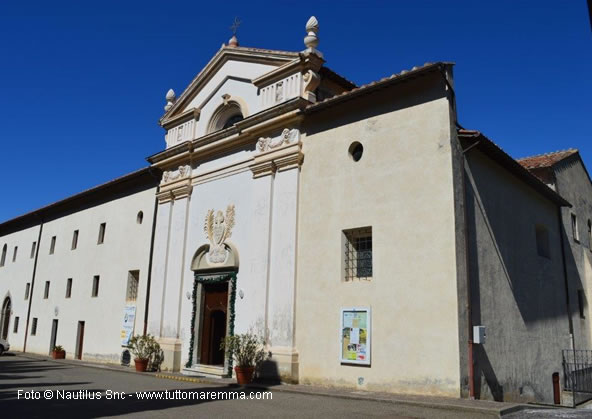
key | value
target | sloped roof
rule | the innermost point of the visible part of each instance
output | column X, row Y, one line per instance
column 378, row 84
column 495, row 152
column 547, row 159
column 142, row 178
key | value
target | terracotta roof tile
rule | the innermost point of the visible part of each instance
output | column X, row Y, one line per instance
column 375, row 84
column 547, row 159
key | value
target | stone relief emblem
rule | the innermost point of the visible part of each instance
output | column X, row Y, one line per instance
column 181, row 172
column 218, row 228
column 288, row 136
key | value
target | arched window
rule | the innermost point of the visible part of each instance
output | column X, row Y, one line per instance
column 140, row 217
column 4, row 250
column 225, row 116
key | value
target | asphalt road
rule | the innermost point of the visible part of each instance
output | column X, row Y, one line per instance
column 38, row 380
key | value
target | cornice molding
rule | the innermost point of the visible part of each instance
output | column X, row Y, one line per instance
column 221, row 57
column 242, row 132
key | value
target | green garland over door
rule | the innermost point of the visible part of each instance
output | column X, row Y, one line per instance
column 229, row 277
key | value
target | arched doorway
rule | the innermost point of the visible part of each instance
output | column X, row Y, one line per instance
column 214, row 294
column 5, row 319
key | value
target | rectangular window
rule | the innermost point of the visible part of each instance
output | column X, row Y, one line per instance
column 574, row 228
column 34, row 327
column 46, row 292
column 14, row 253
column 542, row 241
column 27, row 290
column 133, row 278
column 95, row 286
column 15, row 327
column 69, row 288
column 33, row 248
column 357, row 254
column 102, row 233
column 75, row 240
column 3, row 258
column 52, row 245
column 581, row 303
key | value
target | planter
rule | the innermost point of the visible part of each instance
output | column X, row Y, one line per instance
column 58, row 354
column 141, row 364
column 244, row 375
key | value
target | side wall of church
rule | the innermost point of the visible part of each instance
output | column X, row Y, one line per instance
column 402, row 187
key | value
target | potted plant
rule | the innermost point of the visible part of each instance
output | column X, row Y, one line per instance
column 248, row 350
column 58, row 352
column 143, row 347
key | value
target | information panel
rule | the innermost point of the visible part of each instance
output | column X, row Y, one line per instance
column 127, row 329
column 355, row 335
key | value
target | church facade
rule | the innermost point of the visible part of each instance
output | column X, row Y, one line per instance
column 371, row 241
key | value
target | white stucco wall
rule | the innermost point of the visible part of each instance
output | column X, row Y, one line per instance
column 126, row 247
column 402, row 188
column 13, row 279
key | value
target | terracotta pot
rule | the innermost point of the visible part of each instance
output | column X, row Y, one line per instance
column 58, row 354
column 141, row 364
column 244, row 375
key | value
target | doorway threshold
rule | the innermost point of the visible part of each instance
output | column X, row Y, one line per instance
column 213, row 371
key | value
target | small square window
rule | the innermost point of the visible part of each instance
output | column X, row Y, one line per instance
column 34, row 327
column 69, row 288
column 357, row 253
column 102, row 228
column 46, row 292
column 95, row 286
column 52, row 245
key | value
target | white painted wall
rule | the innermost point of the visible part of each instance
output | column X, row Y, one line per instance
column 126, row 247
column 13, row 279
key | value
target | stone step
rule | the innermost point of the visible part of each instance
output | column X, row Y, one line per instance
column 214, row 371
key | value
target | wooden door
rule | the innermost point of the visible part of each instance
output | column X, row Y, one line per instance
column 214, row 314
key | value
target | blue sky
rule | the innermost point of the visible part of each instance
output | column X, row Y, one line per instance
column 83, row 83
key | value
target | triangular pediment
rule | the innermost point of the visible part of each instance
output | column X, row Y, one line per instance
column 229, row 65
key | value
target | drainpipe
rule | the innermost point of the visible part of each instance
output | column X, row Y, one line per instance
column 467, row 267
column 149, row 278
column 471, row 365
column 33, row 283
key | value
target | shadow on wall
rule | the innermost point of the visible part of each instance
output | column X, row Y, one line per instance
column 518, row 295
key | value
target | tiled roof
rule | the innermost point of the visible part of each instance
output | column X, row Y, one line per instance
column 366, row 88
column 495, row 152
column 547, row 159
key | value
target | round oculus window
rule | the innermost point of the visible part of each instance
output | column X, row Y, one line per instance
column 356, row 150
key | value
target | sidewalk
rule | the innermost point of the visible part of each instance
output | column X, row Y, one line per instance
column 414, row 406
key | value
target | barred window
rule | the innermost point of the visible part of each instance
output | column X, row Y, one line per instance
column 357, row 249
column 133, row 277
